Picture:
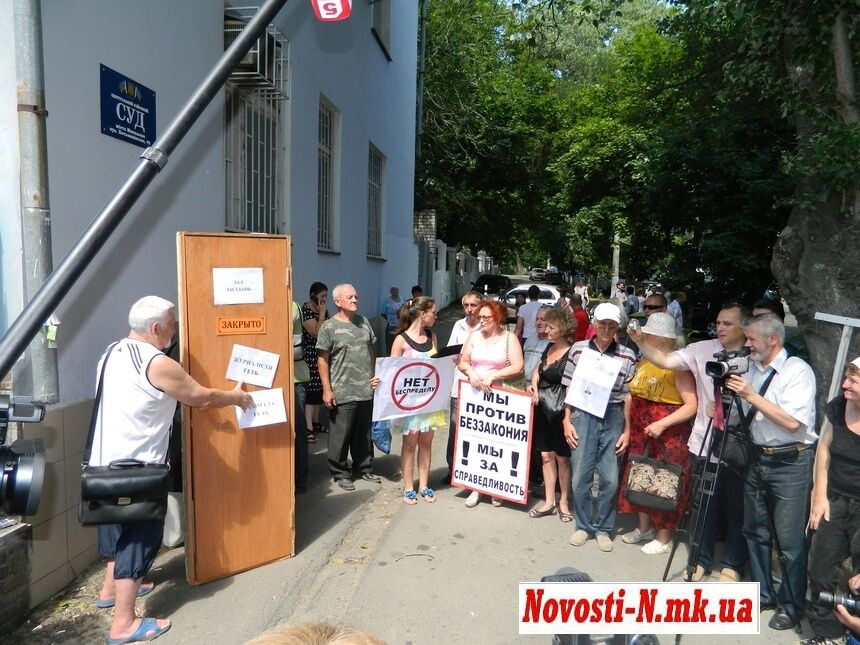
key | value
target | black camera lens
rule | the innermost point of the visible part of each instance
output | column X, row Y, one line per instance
column 23, row 473
column 850, row 603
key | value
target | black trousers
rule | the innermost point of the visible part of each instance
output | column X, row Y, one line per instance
column 349, row 432
column 834, row 541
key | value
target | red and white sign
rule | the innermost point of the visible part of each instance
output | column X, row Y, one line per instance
column 411, row 386
column 332, row 10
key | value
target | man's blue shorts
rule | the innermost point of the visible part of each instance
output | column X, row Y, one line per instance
column 133, row 547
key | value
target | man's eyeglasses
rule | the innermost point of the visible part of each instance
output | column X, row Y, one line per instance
column 650, row 307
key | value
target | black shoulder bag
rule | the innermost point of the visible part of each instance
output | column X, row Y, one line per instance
column 126, row 490
column 737, row 452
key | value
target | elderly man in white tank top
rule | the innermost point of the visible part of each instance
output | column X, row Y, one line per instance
column 141, row 388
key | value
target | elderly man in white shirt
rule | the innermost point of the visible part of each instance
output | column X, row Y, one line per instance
column 779, row 478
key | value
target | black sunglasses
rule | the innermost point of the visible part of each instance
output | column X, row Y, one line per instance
column 650, row 307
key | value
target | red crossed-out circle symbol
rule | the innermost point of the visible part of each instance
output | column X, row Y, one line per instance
column 423, row 371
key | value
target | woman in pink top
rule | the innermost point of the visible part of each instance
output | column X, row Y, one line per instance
column 490, row 356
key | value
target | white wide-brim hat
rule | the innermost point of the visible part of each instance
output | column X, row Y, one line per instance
column 661, row 324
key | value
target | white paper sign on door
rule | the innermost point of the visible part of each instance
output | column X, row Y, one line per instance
column 268, row 408
column 253, row 366
column 238, row 286
column 592, row 382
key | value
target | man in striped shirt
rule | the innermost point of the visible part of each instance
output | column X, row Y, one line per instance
column 598, row 441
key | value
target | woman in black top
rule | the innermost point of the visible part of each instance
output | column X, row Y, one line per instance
column 835, row 513
column 548, row 434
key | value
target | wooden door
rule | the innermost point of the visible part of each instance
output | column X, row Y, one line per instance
column 239, row 488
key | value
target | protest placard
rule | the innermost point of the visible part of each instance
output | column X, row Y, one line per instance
column 493, row 444
column 411, row 386
column 592, row 382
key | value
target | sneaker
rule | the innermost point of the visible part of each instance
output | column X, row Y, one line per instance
column 656, row 547
column 604, row 542
column 346, row 484
column 697, row 576
column 473, row 499
column 579, row 537
column 729, row 575
column 823, row 640
column 635, row 536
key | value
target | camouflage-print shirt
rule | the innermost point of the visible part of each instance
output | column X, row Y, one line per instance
column 348, row 345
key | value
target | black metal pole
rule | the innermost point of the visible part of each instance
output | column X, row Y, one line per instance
column 30, row 320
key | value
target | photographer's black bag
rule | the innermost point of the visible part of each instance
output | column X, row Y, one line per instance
column 126, row 490
column 738, row 449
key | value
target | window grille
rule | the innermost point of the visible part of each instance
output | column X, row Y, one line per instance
column 326, row 177
column 375, row 180
column 253, row 115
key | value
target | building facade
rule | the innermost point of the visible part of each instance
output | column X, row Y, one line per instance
column 313, row 137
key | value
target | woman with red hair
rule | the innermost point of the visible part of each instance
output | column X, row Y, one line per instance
column 489, row 356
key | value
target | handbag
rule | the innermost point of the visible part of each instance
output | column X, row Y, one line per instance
column 518, row 381
column 653, row 483
column 733, row 446
column 126, row 490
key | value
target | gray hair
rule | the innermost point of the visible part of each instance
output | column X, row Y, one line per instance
column 147, row 311
column 769, row 325
column 335, row 293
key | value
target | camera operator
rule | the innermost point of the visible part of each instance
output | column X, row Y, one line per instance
column 776, row 489
column 835, row 513
column 728, row 493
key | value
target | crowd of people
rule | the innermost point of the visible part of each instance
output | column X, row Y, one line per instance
column 665, row 402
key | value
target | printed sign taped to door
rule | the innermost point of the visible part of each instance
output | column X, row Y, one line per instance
column 493, row 444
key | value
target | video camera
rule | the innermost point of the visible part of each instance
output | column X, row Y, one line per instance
column 22, row 462
column 728, row 363
column 827, row 599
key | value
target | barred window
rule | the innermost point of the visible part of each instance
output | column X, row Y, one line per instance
column 326, row 177
column 253, row 128
column 375, row 183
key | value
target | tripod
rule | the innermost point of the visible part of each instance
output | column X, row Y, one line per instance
column 704, row 483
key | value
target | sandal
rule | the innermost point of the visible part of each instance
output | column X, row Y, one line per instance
column 534, row 513
column 410, row 497
column 563, row 517
column 320, row 429
column 495, row 501
column 429, row 495
column 311, row 438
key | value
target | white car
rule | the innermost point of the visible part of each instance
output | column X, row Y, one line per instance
column 549, row 295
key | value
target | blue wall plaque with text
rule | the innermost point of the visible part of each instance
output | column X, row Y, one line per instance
column 128, row 109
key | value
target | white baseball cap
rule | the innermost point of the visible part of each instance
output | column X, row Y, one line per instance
column 607, row 311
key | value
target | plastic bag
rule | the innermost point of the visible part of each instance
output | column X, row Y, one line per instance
column 381, row 434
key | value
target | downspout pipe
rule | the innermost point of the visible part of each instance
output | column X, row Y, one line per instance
column 422, row 54
column 35, row 208
column 30, row 320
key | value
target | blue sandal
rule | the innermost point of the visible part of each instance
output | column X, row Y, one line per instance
column 410, row 497
column 110, row 602
column 140, row 634
column 429, row 495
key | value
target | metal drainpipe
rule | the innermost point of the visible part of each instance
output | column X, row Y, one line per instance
column 422, row 47
column 35, row 209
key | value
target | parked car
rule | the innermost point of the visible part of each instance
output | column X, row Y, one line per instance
column 548, row 296
column 553, row 276
column 491, row 284
column 537, row 274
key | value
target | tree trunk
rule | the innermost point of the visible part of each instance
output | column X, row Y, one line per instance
column 815, row 258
